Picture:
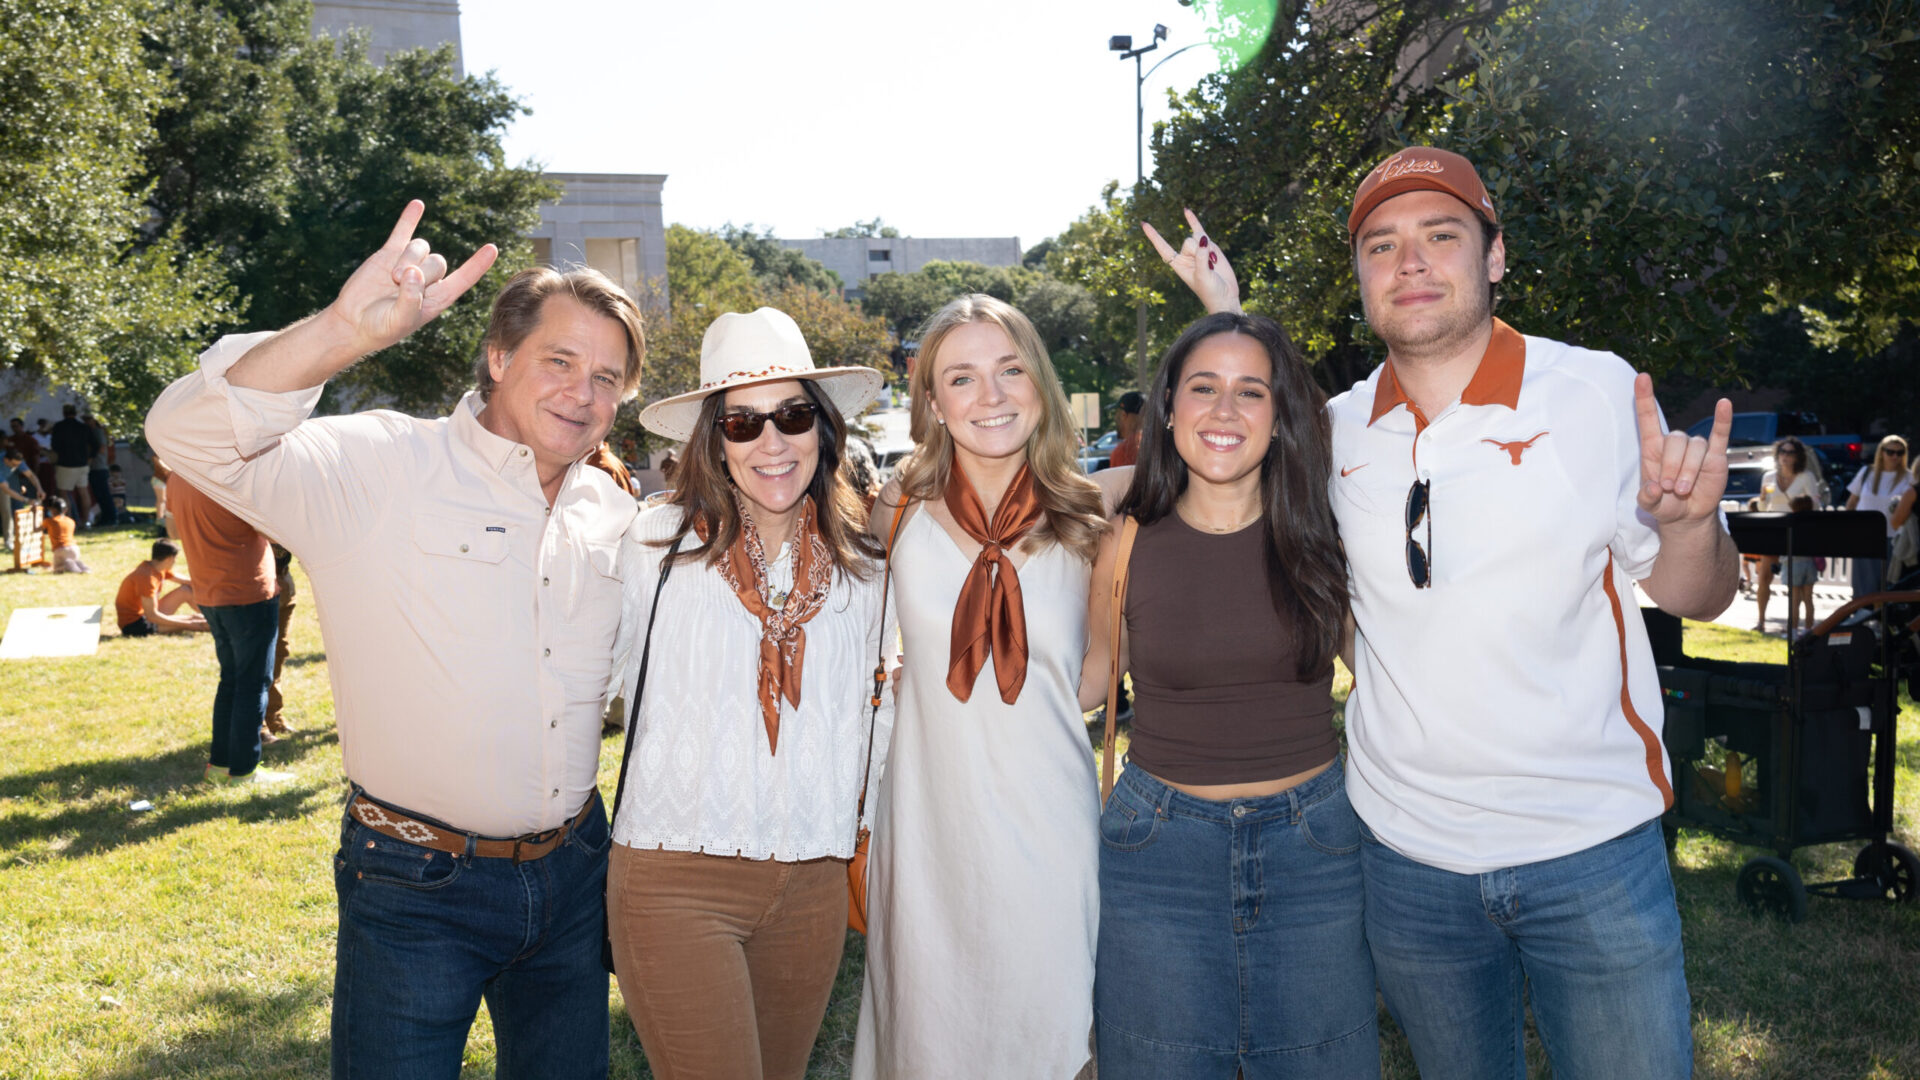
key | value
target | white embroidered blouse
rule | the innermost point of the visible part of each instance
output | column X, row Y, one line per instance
column 702, row 777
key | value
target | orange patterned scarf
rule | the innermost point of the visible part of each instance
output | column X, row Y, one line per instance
column 990, row 619
column 783, row 638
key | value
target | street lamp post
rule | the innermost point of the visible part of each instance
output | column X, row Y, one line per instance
column 1123, row 44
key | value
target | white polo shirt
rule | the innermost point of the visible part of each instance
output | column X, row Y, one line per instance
column 1511, row 712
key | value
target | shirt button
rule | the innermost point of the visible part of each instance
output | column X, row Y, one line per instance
column 523, row 451
column 546, row 652
column 463, row 549
column 543, row 581
column 553, row 723
column 556, row 793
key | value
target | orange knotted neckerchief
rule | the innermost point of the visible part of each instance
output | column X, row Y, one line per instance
column 783, row 640
column 989, row 619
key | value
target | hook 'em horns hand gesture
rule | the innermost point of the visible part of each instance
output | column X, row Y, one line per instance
column 1681, row 477
column 402, row 286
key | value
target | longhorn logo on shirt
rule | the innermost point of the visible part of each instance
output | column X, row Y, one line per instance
column 1516, row 448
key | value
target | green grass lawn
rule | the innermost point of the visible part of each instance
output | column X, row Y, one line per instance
column 196, row 939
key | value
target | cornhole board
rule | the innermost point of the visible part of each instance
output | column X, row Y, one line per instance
column 27, row 539
column 51, row 631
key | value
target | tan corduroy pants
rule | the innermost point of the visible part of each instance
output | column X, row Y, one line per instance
column 725, row 963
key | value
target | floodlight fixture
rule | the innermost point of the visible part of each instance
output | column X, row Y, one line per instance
column 1120, row 43
column 1159, row 32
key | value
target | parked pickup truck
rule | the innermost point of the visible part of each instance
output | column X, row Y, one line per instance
column 1754, row 434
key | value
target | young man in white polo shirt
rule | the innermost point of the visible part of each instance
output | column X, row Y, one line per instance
column 1498, row 496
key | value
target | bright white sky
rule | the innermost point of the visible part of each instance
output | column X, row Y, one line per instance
column 989, row 118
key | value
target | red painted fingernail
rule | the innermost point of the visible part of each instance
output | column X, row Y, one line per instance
column 1213, row 257
column 1203, row 241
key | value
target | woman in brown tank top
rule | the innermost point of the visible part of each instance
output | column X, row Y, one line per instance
column 1231, row 933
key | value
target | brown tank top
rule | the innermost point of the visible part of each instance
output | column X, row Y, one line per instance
column 1215, row 697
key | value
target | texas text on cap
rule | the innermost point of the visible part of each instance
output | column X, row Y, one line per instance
column 1419, row 168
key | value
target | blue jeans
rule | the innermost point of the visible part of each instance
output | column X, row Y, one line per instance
column 1593, row 938
column 425, row 935
column 243, row 640
column 1232, row 935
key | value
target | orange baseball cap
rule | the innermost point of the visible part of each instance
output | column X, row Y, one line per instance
column 1421, row 168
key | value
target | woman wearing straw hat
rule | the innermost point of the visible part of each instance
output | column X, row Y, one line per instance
column 750, row 744
column 983, row 901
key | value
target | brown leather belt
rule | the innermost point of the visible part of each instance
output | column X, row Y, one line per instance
column 388, row 821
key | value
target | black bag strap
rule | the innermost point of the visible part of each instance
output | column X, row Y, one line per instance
column 640, row 684
column 879, row 662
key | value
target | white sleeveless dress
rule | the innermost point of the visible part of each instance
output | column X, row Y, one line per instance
column 983, row 903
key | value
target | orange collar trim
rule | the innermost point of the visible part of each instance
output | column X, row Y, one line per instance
column 1495, row 382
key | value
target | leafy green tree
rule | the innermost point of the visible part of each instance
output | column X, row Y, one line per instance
column 907, row 300
column 86, row 299
column 775, row 264
column 1666, row 172
column 290, row 158
column 874, row 228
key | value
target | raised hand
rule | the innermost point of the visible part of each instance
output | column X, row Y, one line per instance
column 1681, row 478
column 1201, row 264
column 402, row 286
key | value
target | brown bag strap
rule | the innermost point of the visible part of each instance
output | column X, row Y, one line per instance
column 1116, row 612
column 880, row 662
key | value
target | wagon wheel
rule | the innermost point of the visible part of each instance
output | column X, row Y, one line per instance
column 1772, row 885
column 1897, row 872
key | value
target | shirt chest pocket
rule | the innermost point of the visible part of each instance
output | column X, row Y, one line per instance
column 465, row 586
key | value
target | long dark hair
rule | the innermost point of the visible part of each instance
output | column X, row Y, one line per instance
column 704, row 491
column 1306, row 568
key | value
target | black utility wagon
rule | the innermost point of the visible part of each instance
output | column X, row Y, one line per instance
column 1787, row 756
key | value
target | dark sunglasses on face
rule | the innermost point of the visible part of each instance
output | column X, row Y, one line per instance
column 1895, row 451
column 794, row 419
column 1419, row 568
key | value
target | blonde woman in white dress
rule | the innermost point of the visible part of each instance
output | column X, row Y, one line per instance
column 983, row 902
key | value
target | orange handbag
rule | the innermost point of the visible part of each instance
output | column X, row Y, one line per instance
column 857, row 866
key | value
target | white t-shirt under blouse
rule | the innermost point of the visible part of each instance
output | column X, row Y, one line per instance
column 702, row 777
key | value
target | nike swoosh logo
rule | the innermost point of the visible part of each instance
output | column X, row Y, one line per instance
column 1354, row 469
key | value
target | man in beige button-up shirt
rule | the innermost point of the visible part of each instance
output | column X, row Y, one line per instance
column 464, row 570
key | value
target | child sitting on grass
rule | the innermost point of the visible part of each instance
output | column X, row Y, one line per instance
column 60, row 546
column 140, row 608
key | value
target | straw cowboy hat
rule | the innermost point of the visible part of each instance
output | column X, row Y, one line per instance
column 763, row 346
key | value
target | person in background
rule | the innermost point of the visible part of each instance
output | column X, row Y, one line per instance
column 74, row 445
column 46, row 468
column 99, row 473
column 140, row 609
column 1880, row 486
column 1126, row 421
column 117, row 493
column 276, row 728
column 18, row 488
column 58, row 527
column 22, row 440
column 1793, row 476
column 604, row 459
column 161, row 474
column 233, row 587
column 1800, row 574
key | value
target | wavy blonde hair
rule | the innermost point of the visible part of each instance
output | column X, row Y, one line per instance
column 1072, row 502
